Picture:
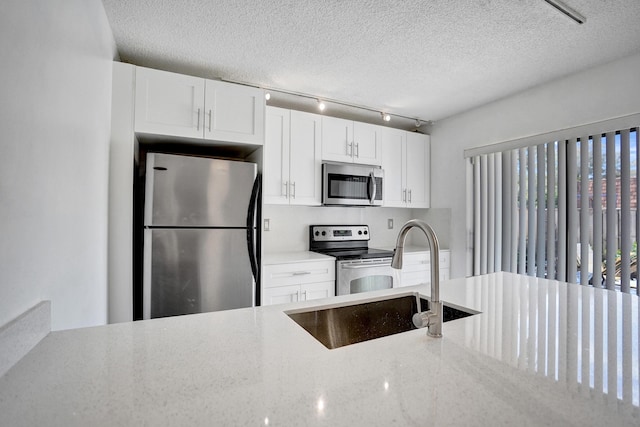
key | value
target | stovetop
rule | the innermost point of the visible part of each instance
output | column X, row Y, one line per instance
column 358, row 253
column 344, row 242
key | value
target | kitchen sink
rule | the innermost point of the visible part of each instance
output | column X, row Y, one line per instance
column 354, row 322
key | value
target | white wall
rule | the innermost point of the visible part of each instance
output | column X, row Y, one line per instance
column 600, row 93
column 289, row 225
column 55, row 87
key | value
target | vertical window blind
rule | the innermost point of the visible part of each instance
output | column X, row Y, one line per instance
column 561, row 205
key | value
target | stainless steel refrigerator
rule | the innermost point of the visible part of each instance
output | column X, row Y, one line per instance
column 200, row 251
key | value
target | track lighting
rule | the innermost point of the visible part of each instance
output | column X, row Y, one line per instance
column 571, row 13
column 321, row 103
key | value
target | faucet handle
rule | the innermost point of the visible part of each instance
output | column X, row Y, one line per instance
column 422, row 319
column 431, row 319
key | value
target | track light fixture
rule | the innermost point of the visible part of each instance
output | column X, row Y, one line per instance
column 321, row 102
column 571, row 13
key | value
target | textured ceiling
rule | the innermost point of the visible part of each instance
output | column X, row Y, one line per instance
column 417, row 58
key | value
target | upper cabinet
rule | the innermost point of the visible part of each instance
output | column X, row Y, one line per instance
column 233, row 112
column 169, row 103
column 406, row 163
column 350, row 142
column 292, row 169
column 185, row 106
column 417, row 171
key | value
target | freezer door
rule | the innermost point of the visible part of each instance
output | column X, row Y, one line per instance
column 197, row 191
column 195, row 270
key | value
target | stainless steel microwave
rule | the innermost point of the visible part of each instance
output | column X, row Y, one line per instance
column 351, row 185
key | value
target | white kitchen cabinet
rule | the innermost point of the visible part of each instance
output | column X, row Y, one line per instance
column 168, row 103
column 294, row 293
column 233, row 113
column 416, row 267
column 393, row 142
column 417, row 170
column 298, row 281
column 192, row 107
column 406, row 164
column 350, row 142
column 292, row 170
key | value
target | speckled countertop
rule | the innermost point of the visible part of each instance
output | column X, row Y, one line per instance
column 540, row 353
column 289, row 257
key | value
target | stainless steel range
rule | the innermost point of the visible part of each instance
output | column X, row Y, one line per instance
column 358, row 267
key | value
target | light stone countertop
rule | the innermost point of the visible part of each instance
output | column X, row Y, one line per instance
column 290, row 257
column 540, row 353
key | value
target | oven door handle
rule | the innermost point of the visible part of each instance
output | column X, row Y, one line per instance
column 371, row 188
column 358, row 266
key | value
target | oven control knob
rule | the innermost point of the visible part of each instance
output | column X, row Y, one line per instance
column 317, row 233
column 366, row 232
column 360, row 232
column 324, row 233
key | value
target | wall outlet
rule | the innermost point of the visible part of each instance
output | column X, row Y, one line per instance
column 267, row 224
column 390, row 223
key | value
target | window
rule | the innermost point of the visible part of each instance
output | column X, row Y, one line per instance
column 561, row 205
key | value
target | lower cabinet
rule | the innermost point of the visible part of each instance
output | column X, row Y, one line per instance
column 416, row 268
column 294, row 293
column 298, row 281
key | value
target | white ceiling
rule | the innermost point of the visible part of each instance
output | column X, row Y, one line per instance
column 416, row 58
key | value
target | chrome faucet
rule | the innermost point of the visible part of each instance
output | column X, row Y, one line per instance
column 432, row 318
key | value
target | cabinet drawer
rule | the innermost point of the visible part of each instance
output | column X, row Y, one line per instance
column 410, row 278
column 419, row 261
column 298, row 273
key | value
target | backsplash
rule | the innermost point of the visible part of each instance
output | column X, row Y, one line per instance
column 289, row 225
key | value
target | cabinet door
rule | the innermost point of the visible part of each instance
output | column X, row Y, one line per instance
column 393, row 164
column 169, row 103
column 275, row 183
column 234, row 113
column 320, row 290
column 280, row 295
column 366, row 143
column 305, row 159
column 337, row 139
column 417, row 171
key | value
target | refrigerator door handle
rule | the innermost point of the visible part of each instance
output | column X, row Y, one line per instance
column 252, row 229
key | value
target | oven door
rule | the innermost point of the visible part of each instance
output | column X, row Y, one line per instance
column 351, row 185
column 363, row 275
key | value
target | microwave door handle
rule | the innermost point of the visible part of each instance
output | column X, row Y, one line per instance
column 372, row 188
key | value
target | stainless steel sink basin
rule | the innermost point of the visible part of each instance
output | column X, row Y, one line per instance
column 354, row 322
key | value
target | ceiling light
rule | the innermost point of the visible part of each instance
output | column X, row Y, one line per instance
column 267, row 96
column 567, row 11
column 386, row 117
column 321, row 105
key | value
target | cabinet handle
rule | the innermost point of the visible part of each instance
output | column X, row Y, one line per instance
column 404, row 195
column 198, row 123
column 298, row 295
column 293, row 189
column 304, row 295
column 409, row 196
column 286, row 189
column 209, row 119
column 357, row 150
column 301, row 273
column 349, row 148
